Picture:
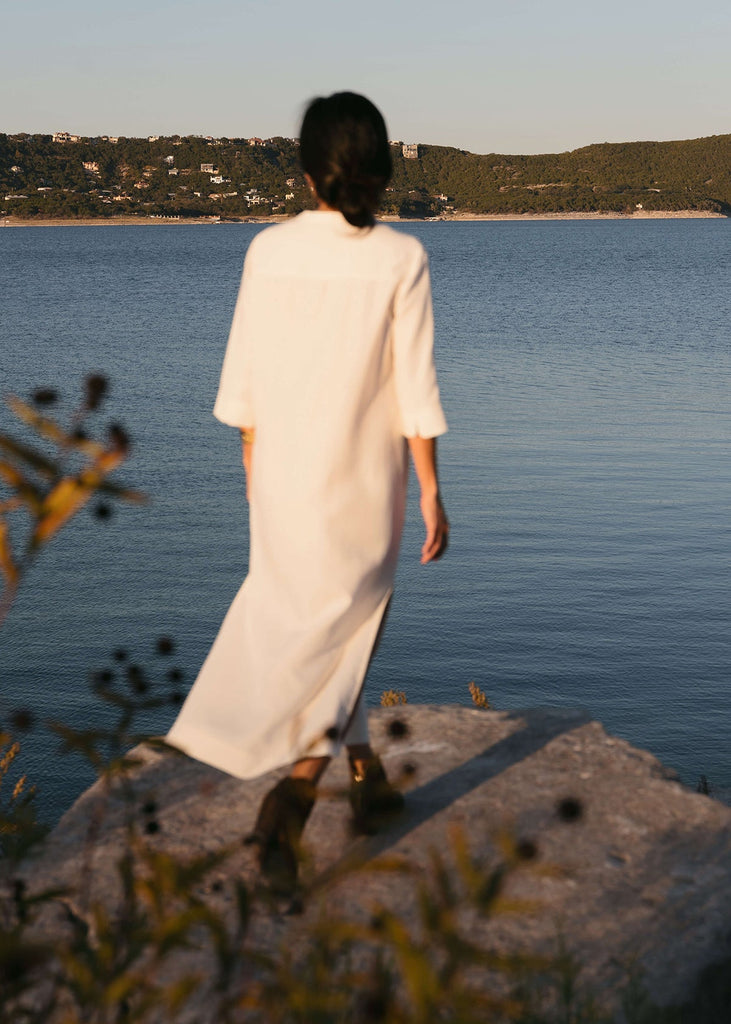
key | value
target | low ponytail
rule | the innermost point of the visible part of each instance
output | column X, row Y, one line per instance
column 344, row 149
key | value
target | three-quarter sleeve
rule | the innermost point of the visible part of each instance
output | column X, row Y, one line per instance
column 417, row 391
column 234, row 404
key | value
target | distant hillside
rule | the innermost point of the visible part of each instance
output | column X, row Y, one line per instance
column 693, row 175
column 68, row 176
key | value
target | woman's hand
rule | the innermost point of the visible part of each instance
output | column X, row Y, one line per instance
column 424, row 455
column 437, row 528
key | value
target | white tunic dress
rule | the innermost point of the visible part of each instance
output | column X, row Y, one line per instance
column 330, row 359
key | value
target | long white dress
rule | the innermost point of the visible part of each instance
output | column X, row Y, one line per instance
column 330, row 359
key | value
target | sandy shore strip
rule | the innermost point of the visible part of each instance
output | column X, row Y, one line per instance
column 18, row 222
column 635, row 215
column 103, row 222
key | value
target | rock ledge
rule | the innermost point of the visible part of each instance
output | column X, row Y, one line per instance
column 642, row 876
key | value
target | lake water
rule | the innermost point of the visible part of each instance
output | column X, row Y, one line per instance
column 585, row 370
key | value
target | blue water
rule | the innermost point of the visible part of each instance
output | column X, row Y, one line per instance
column 585, row 370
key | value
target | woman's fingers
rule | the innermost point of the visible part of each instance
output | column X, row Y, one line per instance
column 434, row 547
column 437, row 531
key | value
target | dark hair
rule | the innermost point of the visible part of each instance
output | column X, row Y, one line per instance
column 344, row 149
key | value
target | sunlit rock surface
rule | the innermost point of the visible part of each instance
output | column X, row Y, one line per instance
column 632, row 873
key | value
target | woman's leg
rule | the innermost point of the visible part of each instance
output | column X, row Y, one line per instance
column 281, row 820
column 310, row 768
column 357, row 738
column 279, row 825
column 373, row 799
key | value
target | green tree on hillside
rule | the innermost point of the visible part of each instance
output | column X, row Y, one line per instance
column 616, row 177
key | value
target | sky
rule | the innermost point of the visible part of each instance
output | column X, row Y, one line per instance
column 518, row 76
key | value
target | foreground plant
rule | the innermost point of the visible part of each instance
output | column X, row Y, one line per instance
column 479, row 697
column 54, row 475
column 389, row 698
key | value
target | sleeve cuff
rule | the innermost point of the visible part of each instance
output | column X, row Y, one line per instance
column 234, row 414
column 430, row 424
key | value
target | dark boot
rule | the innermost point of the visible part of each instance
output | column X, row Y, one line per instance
column 277, row 832
column 375, row 802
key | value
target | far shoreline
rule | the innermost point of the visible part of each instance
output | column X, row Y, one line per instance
column 53, row 222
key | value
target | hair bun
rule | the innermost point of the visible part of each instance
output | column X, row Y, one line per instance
column 357, row 201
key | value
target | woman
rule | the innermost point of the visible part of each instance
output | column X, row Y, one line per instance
column 329, row 376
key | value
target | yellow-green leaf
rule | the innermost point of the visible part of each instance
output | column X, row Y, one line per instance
column 24, row 488
column 66, row 498
column 123, row 493
column 41, row 424
column 25, row 453
column 7, row 562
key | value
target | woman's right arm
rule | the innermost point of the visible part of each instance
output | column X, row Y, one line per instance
column 417, row 393
column 424, row 456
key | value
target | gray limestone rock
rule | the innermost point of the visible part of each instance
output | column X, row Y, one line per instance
column 632, row 871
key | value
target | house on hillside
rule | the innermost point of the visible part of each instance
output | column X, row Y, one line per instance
column 410, row 150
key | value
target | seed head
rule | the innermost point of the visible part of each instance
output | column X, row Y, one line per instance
column 569, row 809
column 118, row 437
column 22, row 719
column 96, row 388
column 45, row 396
column 398, row 729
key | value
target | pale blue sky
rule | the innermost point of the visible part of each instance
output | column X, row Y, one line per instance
column 519, row 76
